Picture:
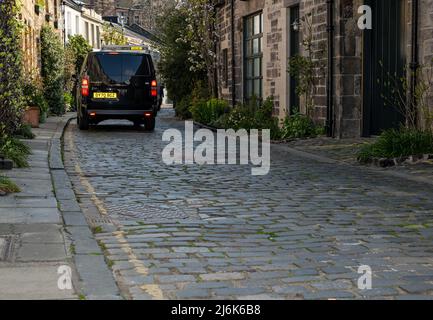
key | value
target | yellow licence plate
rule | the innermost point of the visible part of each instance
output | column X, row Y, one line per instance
column 105, row 95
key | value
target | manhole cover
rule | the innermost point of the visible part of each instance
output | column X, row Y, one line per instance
column 140, row 211
column 7, row 246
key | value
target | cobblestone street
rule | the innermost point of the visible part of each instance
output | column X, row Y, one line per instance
column 212, row 231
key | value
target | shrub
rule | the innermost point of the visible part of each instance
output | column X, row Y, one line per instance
column 80, row 48
column 207, row 112
column 11, row 97
column 182, row 108
column 52, row 56
column 8, row 186
column 34, row 95
column 251, row 116
column 69, row 101
column 299, row 126
column 394, row 143
column 15, row 150
column 25, row 132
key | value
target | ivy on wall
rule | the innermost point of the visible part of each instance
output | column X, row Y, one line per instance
column 11, row 95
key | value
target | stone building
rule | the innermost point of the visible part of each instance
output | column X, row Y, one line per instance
column 351, row 65
column 34, row 14
column 140, row 12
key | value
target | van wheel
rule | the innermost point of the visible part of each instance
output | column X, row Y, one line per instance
column 83, row 122
column 150, row 124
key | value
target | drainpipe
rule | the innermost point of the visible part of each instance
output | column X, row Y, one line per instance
column 330, row 75
column 414, row 64
column 233, row 51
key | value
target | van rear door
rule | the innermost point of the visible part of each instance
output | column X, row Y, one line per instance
column 120, row 80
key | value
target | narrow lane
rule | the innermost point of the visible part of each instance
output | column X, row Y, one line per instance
column 212, row 231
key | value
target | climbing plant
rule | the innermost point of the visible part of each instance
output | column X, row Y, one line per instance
column 11, row 97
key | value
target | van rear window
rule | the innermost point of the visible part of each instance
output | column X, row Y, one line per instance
column 118, row 68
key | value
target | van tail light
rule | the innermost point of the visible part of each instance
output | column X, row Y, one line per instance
column 148, row 114
column 85, row 87
column 154, row 89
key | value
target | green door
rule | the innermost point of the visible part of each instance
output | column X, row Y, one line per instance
column 384, row 57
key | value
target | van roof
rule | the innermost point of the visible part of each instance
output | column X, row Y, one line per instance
column 126, row 49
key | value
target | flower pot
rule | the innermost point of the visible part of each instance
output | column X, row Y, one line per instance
column 31, row 117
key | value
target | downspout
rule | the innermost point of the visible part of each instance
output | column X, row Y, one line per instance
column 330, row 73
column 414, row 64
column 233, row 51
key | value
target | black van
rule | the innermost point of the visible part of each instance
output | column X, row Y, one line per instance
column 117, row 83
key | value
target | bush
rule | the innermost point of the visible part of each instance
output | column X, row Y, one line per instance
column 52, row 56
column 182, row 108
column 251, row 116
column 34, row 95
column 395, row 143
column 25, row 132
column 206, row 112
column 11, row 97
column 8, row 186
column 299, row 126
column 15, row 150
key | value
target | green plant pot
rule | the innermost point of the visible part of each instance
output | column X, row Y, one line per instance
column 43, row 117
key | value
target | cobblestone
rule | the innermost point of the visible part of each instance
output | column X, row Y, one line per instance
column 302, row 231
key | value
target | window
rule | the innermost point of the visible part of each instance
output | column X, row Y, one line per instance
column 225, row 65
column 68, row 24
column 92, row 37
column 77, row 24
column 86, row 28
column 119, row 68
column 98, row 38
column 253, row 56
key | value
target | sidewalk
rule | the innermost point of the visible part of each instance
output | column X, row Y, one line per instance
column 345, row 151
column 32, row 241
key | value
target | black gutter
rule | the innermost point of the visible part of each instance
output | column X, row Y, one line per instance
column 330, row 73
column 233, row 51
column 414, row 64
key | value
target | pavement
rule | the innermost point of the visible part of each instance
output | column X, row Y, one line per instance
column 207, row 232
column 33, row 245
column 47, row 250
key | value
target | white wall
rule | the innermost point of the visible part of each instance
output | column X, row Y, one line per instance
column 75, row 23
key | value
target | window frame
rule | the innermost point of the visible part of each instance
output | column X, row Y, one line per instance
column 250, row 57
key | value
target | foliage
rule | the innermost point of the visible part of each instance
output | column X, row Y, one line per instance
column 6, row 185
column 206, row 112
column 414, row 109
column 34, row 94
column 394, row 143
column 80, row 48
column 175, row 65
column 182, row 108
column 11, row 97
column 251, row 116
column 307, row 69
column 24, row 132
column 52, row 56
column 299, row 126
column 15, row 150
column 69, row 100
column 201, row 36
column 110, row 35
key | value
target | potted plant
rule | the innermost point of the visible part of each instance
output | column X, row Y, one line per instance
column 37, row 109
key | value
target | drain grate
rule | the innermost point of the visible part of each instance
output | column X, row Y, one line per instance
column 94, row 220
column 7, row 247
column 140, row 211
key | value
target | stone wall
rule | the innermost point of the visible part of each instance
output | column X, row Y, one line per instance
column 347, row 61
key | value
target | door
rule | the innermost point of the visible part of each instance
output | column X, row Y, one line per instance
column 293, row 51
column 384, row 57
